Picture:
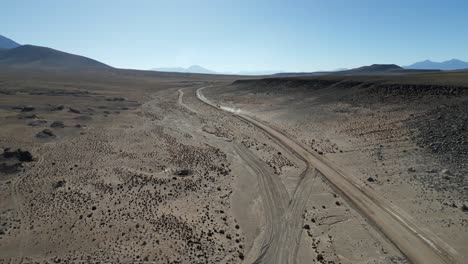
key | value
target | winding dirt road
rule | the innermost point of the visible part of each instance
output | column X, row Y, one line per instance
column 284, row 221
column 417, row 243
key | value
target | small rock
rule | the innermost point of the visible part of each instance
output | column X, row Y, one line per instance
column 59, row 184
column 46, row 133
column 19, row 154
column 36, row 122
column 72, row 110
column 320, row 257
column 446, row 172
column 465, row 207
column 27, row 108
column 183, row 172
column 58, row 108
column 116, row 99
column 27, row 116
column 57, row 124
column 411, row 169
column 10, row 168
column 370, row 179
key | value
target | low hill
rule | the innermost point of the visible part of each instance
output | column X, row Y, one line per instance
column 6, row 43
column 374, row 69
column 29, row 56
column 381, row 69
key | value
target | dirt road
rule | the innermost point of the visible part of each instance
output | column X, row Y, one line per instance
column 284, row 221
column 418, row 244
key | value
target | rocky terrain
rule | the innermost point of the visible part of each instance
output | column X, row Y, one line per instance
column 132, row 167
column 99, row 171
column 402, row 136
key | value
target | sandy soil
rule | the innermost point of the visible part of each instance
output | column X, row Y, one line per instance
column 379, row 134
column 120, row 172
column 131, row 167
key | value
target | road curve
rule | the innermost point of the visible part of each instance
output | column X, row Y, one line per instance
column 418, row 244
column 180, row 101
column 280, row 240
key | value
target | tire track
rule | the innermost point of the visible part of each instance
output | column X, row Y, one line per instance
column 418, row 244
column 284, row 215
column 17, row 201
column 274, row 196
column 180, row 101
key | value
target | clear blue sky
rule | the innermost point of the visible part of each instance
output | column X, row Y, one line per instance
column 243, row 35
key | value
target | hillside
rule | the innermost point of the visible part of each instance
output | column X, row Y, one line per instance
column 6, row 43
column 29, row 56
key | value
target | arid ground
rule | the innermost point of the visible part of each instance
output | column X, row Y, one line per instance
column 125, row 166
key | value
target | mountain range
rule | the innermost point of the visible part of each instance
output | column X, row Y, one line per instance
column 449, row 65
column 15, row 55
column 200, row 69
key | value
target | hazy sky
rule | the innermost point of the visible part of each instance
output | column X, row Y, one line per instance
column 243, row 35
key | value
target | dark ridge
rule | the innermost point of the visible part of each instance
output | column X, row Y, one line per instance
column 387, row 86
column 377, row 68
column 374, row 69
column 287, row 82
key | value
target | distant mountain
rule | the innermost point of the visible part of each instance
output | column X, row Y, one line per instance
column 298, row 74
column 6, row 43
column 200, row 69
column 174, row 69
column 191, row 69
column 449, row 65
column 257, row 73
column 29, row 56
column 340, row 69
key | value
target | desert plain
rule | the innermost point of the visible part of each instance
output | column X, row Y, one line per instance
column 122, row 166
